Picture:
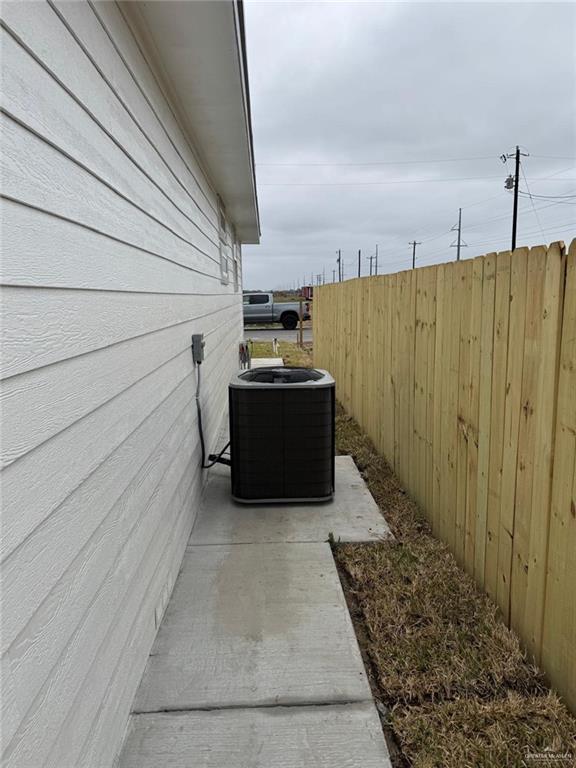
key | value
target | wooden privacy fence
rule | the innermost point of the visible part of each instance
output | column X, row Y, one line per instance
column 464, row 376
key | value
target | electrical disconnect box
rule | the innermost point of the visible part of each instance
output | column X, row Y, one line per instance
column 198, row 345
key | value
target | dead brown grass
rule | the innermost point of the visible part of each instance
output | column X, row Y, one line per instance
column 461, row 691
column 294, row 355
column 513, row 732
column 432, row 635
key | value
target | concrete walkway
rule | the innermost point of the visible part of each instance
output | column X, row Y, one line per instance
column 261, row 362
column 256, row 664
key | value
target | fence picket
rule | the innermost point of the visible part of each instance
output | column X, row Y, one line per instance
column 464, row 376
column 559, row 626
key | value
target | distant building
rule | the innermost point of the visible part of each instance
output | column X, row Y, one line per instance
column 307, row 291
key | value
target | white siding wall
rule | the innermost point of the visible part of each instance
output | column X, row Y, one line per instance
column 110, row 262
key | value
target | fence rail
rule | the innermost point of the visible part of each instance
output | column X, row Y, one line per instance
column 464, row 376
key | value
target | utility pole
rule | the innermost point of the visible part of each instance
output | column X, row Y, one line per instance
column 370, row 259
column 339, row 262
column 359, row 257
column 414, row 244
column 323, row 275
column 459, row 242
column 376, row 270
column 516, row 185
column 333, row 275
column 513, row 182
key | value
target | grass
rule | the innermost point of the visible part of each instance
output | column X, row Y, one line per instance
column 472, row 732
column 288, row 351
column 458, row 688
column 432, row 635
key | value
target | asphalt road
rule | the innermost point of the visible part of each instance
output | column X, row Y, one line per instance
column 279, row 333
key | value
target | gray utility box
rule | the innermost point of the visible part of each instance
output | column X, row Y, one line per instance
column 282, row 434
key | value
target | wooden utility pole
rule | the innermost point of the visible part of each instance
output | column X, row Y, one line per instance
column 370, row 259
column 359, row 258
column 516, row 185
column 376, row 270
column 333, row 275
column 414, row 244
column 513, row 182
column 339, row 260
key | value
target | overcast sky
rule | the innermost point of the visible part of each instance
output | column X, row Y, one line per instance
column 354, row 105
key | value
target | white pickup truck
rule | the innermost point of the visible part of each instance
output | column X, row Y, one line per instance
column 261, row 308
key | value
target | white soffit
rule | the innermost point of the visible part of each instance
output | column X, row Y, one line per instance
column 198, row 46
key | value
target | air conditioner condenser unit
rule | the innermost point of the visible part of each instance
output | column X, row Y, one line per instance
column 282, row 440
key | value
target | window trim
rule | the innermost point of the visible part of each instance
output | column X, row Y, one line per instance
column 223, row 243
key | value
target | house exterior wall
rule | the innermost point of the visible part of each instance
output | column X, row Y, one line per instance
column 111, row 260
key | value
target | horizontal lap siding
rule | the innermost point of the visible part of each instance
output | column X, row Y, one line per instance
column 110, row 263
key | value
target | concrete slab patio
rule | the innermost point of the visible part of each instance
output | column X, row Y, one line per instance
column 352, row 515
column 256, row 664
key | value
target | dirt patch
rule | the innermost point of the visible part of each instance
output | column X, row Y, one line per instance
column 454, row 686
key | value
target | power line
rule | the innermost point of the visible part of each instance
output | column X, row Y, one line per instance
column 372, row 162
column 420, row 161
column 437, row 237
column 482, row 223
column 390, row 247
column 542, row 178
column 558, row 198
column 374, row 183
column 532, row 201
column 497, row 239
column 529, row 233
column 484, row 200
column 554, row 175
column 506, row 216
column 555, row 157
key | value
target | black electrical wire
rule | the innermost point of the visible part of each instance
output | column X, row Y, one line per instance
column 374, row 162
column 213, row 458
column 558, row 198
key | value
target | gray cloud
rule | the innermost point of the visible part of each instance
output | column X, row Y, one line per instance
column 352, row 82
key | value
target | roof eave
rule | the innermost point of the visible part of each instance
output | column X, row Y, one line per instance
column 199, row 52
